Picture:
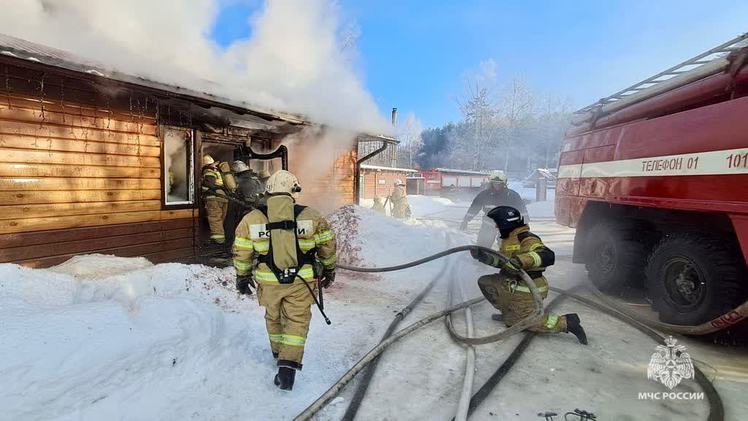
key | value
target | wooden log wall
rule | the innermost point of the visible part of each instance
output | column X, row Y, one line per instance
column 79, row 179
column 325, row 188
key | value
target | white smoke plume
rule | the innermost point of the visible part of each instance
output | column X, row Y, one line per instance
column 295, row 60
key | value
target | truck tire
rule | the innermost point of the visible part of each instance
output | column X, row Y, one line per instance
column 694, row 278
column 615, row 257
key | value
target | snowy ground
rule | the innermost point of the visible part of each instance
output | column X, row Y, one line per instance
column 111, row 338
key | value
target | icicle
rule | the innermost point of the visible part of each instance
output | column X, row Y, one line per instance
column 7, row 86
column 41, row 99
column 62, row 98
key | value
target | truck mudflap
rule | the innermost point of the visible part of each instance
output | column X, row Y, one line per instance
column 724, row 321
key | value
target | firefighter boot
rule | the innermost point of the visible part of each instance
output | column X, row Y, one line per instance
column 285, row 377
column 574, row 326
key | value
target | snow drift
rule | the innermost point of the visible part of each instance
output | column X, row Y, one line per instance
column 101, row 337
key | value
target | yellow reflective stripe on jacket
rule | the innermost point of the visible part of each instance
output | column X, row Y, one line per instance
column 262, row 246
column 293, row 340
column 324, row 236
column 536, row 260
column 276, row 337
column 551, row 321
column 522, row 288
column 330, row 261
column 215, row 174
column 508, row 249
column 243, row 243
column 536, row 246
column 306, row 244
column 268, row 277
column 243, row 267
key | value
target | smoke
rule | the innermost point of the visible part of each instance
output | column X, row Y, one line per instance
column 317, row 151
column 296, row 59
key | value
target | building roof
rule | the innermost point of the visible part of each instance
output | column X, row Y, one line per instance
column 456, row 171
column 383, row 168
column 32, row 52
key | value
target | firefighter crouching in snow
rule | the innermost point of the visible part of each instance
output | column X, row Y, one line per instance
column 399, row 199
column 215, row 199
column 506, row 291
column 275, row 249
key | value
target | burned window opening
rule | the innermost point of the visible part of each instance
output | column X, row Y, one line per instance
column 179, row 179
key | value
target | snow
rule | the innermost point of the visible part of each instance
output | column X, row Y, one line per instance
column 101, row 337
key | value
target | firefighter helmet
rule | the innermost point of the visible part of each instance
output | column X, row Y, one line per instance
column 208, row 160
column 497, row 176
column 507, row 219
column 239, row 166
column 283, row 182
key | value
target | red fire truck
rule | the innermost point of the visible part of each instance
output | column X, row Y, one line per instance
column 655, row 180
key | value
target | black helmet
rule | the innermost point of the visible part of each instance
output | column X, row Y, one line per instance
column 507, row 219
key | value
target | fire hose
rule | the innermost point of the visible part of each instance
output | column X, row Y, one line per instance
column 530, row 320
column 715, row 402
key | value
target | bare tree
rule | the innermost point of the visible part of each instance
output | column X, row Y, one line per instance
column 515, row 108
column 409, row 135
column 477, row 133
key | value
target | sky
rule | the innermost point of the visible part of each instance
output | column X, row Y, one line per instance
column 415, row 54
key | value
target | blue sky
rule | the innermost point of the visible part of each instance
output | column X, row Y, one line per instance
column 414, row 54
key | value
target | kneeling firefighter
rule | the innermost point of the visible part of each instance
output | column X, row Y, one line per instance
column 505, row 290
column 287, row 249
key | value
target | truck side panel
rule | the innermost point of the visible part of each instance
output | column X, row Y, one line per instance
column 694, row 160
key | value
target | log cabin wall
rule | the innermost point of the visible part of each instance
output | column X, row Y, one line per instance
column 327, row 183
column 82, row 173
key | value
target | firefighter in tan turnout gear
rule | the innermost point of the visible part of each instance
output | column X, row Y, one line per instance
column 285, row 250
column 399, row 200
column 505, row 290
column 216, row 203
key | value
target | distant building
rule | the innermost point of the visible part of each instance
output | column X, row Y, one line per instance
column 378, row 181
column 447, row 180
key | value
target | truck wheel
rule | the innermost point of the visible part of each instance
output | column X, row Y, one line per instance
column 615, row 257
column 693, row 278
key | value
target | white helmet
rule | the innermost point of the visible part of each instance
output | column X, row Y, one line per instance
column 498, row 175
column 239, row 166
column 207, row 160
column 283, row 182
column 399, row 182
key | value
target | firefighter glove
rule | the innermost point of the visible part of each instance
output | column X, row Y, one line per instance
column 513, row 266
column 327, row 278
column 243, row 282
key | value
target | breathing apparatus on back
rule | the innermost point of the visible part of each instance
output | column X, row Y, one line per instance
column 284, row 258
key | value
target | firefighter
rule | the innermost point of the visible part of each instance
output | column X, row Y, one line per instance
column 497, row 194
column 378, row 205
column 214, row 196
column 287, row 251
column 264, row 175
column 249, row 191
column 399, row 200
column 506, row 291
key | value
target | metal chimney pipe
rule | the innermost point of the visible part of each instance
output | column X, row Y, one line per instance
column 394, row 116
